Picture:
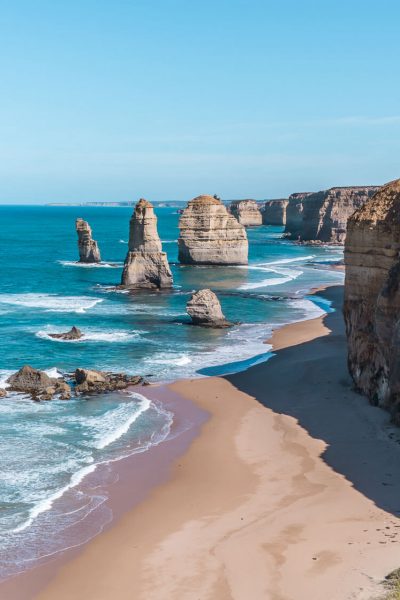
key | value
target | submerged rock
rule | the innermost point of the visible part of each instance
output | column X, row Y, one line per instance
column 73, row 334
column 322, row 216
column 88, row 249
column 146, row 266
column 3, row 393
column 247, row 212
column 89, row 381
column 38, row 384
column 274, row 212
column 210, row 235
column 204, row 309
column 372, row 298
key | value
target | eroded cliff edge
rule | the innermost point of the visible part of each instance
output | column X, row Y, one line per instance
column 372, row 298
column 322, row 216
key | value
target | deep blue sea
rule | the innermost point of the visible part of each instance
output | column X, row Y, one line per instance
column 47, row 448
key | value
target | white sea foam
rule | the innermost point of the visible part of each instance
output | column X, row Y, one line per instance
column 123, row 242
column 285, row 261
column 90, row 335
column 169, row 241
column 51, row 302
column 54, row 372
column 46, row 504
column 117, row 422
column 265, row 283
column 101, row 265
column 172, row 359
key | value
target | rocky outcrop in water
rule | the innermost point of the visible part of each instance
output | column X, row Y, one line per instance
column 372, row 298
column 205, row 309
column 3, row 393
column 247, row 212
column 146, row 266
column 73, row 334
column 38, row 384
column 88, row 249
column 274, row 212
column 322, row 216
column 89, row 381
column 210, row 235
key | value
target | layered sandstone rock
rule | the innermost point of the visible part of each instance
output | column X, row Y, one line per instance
column 247, row 212
column 38, row 384
column 274, row 212
column 88, row 249
column 372, row 297
column 96, row 382
column 210, row 235
column 205, row 309
column 73, row 334
column 146, row 266
column 322, row 216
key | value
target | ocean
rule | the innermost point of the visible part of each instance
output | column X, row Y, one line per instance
column 47, row 449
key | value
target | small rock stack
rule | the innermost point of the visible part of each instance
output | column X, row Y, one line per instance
column 88, row 249
column 146, row 266
column 205, row 309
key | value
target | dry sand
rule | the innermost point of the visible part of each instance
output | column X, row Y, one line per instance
column 290, row 492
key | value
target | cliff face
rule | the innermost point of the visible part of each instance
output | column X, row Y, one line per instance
column 209, row 234
column 247, row 212
column 88, row 249
column 274, row 212
column 146, row 266
column 322, row 216
column 372, row 297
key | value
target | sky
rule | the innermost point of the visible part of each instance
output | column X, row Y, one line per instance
column 111, row 100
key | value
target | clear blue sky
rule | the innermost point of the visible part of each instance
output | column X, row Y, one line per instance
column 167, row 99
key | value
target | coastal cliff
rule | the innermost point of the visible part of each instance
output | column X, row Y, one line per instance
column 247, row 212
column 322, row 216
column 146, row 266
column 88, row 249
column 209, row 234
column 372, row 298
column 274, row 212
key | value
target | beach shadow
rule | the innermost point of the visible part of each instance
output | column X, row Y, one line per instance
column 310, row 382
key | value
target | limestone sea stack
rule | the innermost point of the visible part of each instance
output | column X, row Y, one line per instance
column 247, row 212
column 274, row 212
column 210, row 235
column 205, row 309
column 321, row 217
column 146, row 266
column 372, row 298
column 88, row 249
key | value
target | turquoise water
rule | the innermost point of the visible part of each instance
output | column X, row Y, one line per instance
column 47, row 448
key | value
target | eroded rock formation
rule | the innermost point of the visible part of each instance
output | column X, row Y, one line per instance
column 146, row 266
column 210, row 235
column 322, row 216
column 3, row 393
column 95, row 382
column 205, row 309
column 38, row 384
column 88, row 249
column 73, row 334
column 372, row 297
column 274, row 212
column 247, row 212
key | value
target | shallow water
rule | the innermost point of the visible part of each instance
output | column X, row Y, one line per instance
column 47, row 448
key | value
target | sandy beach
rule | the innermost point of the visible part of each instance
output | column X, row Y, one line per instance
column 287, row 493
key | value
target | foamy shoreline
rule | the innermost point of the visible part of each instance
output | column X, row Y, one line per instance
column 79, row 479
column 255, row 485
